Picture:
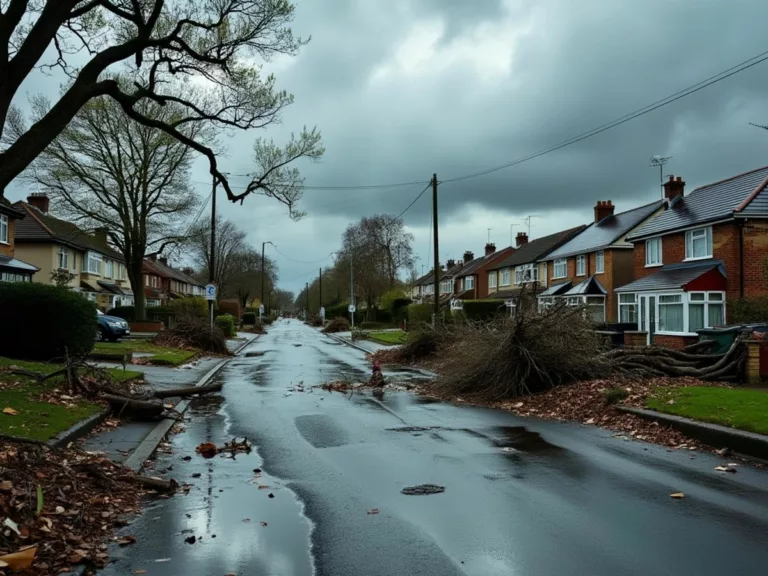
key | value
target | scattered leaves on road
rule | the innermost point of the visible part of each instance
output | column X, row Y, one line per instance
column 207, row 449
column 126, row 540
column 263, row 523
column 20, row 560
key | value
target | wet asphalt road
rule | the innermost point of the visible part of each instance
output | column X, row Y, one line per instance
column 523, row 497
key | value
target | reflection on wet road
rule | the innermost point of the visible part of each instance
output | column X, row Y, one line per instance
column 521, row 496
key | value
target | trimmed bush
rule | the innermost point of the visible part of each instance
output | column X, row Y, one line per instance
column 484, row 309
column 418, row 313
column 194, row 306
column 127, row 313
column 231, row 307
column 226, row 323
column 250, row 318
column 748, row 310
column 40, row 322
column 374, row 325
column 399, row 309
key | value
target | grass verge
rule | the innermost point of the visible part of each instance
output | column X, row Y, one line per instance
column 389, row 337
column 742, row 409
column 35, row 418
column 162, row 356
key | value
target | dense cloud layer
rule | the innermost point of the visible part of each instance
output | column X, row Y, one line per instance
column 405, row 88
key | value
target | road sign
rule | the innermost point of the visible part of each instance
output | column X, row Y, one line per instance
column 509, row 303
column 457, row 304
column 322, row 311
column 351, row 308
column 210, row 292
column 261, row 308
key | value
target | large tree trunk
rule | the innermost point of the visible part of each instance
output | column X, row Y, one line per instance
column 136, row 277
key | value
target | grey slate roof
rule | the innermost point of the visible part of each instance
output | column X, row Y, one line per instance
column 16, row 264
column 672, row 276
column 602, row 234
column 473, row 265
column 556, row 289
column 536, row 249
column 712, row 202
column 590, row 286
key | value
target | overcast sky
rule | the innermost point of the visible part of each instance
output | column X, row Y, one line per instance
column 404, row 88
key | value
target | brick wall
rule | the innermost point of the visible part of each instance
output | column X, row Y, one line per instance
column 7, row 249
column 725, row 240
column 755, row 258
column 673, row 341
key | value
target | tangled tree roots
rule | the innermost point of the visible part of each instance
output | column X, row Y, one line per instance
column 195, row 332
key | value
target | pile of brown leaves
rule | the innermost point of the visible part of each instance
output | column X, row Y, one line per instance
column 62, row 506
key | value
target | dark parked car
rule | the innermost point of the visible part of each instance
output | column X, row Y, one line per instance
column 110, row 328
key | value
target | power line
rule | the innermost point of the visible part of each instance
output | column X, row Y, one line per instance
column 755, row 60
column 414, row 201
column 301, row 261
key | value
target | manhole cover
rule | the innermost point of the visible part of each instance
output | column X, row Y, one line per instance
column 423, row 489
column 408, row 429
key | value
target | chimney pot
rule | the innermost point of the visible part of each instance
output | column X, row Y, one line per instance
column 451, row 264
column 521, row 239
column 603, row 209
column 674, row 188
column 490, row 249
column 468, row 256
column 40, row 201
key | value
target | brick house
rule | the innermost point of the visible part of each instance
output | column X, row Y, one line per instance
column 471, row 281
column 53, row 245
column 507, row 277
column 11, row 268
column 590, row 266
column 165, row 283
column 706, row 248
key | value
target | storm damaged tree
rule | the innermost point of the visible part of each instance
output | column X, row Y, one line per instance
column 230, row 242
column 106, row 171
column 198, row 55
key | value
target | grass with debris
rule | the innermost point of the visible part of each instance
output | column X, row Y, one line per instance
column 34, row 417
column 387, row 337
column 742, row 409
column 161, row 355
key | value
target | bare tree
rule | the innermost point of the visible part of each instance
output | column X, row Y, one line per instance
column 105, row 170
column 246, row 279
column 197, row 54
column 284, row 300
column 230, row 241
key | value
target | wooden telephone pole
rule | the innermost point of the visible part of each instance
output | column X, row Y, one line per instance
column 437, row 251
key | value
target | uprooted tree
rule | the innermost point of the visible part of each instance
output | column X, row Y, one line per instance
column 197, row 55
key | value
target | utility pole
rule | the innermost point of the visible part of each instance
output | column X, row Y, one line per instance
column 211, row 272
column 307, row 300
column 320, row 287
column 352, row 289
column 437, row 251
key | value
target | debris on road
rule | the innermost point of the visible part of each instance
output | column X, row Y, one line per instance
column 373, row 511
column 423, row 489
column 677, row 495
column 727, row 468
column 190, row 539
column 207, row 449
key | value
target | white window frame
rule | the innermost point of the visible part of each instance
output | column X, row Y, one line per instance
column 109, row 268
column 581, row 265
column 600, row 262
column 629, row 301
column 698, row 234
column 5, row 230
column 492, row 277
column 710, row 297
column 469, row 282
column 587, row 302
column 526, row 273
column 704, row 299
column 63, row 258
column 506, row 277
column 93, row 258
column 649, row 262
column 446, row 287
column 560, row 263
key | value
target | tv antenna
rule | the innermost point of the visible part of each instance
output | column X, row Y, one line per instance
column 660, row 161
column 528, row 220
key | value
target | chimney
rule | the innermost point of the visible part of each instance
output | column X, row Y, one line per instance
column 674, row 188
column 40, row 201
column 603, row 209
column 451, row 264
column 490, row 249
column 521, row 239
column 164, row 261
column 468, row 257
column 101, row 234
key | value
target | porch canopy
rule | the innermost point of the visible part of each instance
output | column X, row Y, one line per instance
column 14, row 270
column 590, row 293
column 686, row 276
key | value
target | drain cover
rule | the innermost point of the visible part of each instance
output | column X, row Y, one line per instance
column 423, row 489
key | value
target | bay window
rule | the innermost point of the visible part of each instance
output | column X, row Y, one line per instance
column 560, row 268
column 469, row 282
column 581, row 265
column 92, row 263
column 492, row 279
column 653, row 252
column 526, row 273
column 627, row 308
column 671, row 313
column 109, row 269
column 506, row 277
column 698, row 243
column 599, row 262
column 4, row 234
column 594, row 306
column 705, row 310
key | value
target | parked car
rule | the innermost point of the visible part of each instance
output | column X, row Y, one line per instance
column 110, row 328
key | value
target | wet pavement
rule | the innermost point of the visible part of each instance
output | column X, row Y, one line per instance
column 522, row 496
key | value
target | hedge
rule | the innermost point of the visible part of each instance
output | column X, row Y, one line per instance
column 341, row 310
column 127, row 313
column 374, row 325
column 226, row 323
column 399, row 309
column 250, row 318
column 418, row 313
column 483, row 309
column 231, row 307
column 40, row 321
column 748, row 310
column 195, row 306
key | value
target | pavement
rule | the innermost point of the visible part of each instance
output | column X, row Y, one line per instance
column 367, row 345
column 522, row 496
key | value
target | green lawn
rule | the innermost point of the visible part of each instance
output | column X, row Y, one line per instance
column 37, row 419
column 162, row 356
column 743, row 409
column 390, row 337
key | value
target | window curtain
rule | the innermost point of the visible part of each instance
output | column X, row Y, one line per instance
column 671, row 318
column 696, row 317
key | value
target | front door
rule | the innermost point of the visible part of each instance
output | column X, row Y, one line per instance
column 648, row 315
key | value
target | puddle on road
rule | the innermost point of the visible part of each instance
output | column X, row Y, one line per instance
column 521, row 439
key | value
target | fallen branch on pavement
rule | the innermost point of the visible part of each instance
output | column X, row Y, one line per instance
column 122, row 405
column 188, row 391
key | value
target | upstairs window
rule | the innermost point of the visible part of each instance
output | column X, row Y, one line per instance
column 698, row 243
column 109, row 269
column 506, row 277
column 4, row 229
column 599, row 262
column 63, row 258
column 581, row 265
column 469, row 282
column 492, row 279
column 561, row 268
column 653, row 252
column 92, row 263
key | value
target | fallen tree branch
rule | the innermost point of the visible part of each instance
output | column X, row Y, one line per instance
column 141, row 408
column 188, row 391
column 152, row 483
